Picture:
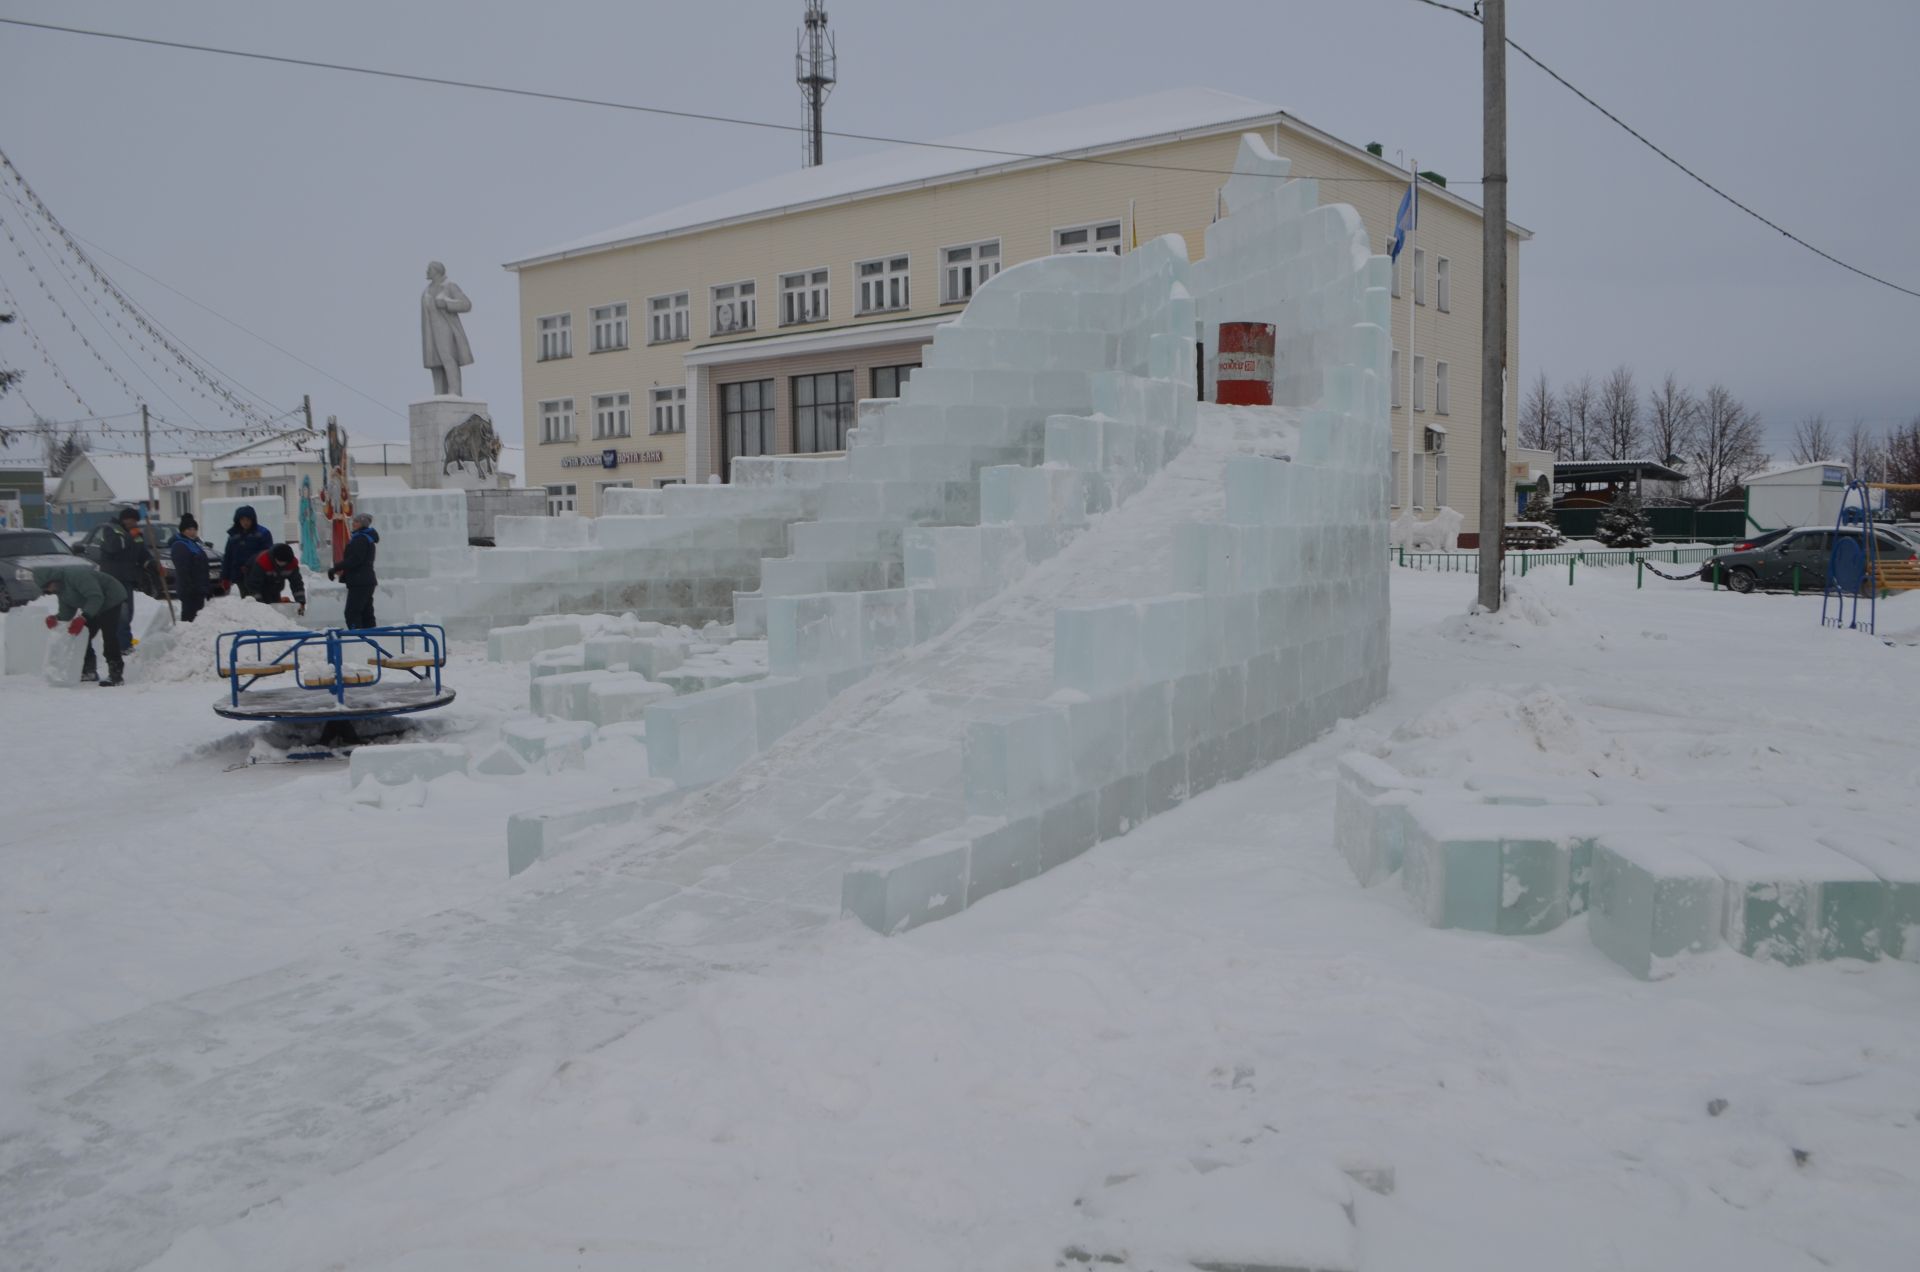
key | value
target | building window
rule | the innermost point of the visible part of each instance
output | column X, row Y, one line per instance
column 556, row 420
column 888, row 381
column 1394, row 268
column 733, row 308
column 1419, row 479
column 670, row 410
column 964, row 268
column 1101, row 237
column 1443, row 285
column 249, row 492
column 182, row 503
column 746, row 419
column 1394, row 375
column 610, row 327
column 667, row 318
column 600, row 489
column 556, row 337
column 1440, row 388
column 661, row 483
column 822, row 411
column 1419, row 275
column 1440, row 480
column 561, row 499
column 1419, row 388
column 803, row 297
column 613, row 415
column 883, row 284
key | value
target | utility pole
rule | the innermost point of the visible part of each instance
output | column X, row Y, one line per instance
column 306, row 406
column 146, row 513
column 1493, row 298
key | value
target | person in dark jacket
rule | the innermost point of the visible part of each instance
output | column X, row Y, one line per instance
column 192, row 568
column 90, row 601
column 273, row 569
column 356, row 571
column 246, row 539
column 125, row 558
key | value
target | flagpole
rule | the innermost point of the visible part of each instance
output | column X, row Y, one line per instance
column 1413, row 287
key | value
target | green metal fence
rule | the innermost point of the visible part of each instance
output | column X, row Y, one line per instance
column 1523, row 563
column 1685, row 524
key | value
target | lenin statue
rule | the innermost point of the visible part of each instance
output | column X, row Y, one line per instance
column 443, row 341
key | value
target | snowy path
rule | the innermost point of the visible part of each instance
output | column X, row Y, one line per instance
column 195, row 1110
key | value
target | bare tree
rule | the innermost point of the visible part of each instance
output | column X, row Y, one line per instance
column 1672, row 416
column 1578, row 410
column 1866, row 455
column 1902, row 460
column 1619, row 415
column 1540, row 422
column 8, row 378
column 1813, row 441
column 1727, row 445
column 62, row 451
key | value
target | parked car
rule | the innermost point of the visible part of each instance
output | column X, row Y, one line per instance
column 20, row 551
column 1771, row 562
column 91, row 544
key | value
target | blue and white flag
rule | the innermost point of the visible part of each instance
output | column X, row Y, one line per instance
column 1404, row 221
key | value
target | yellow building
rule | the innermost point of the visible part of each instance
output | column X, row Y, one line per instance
column 749, row 323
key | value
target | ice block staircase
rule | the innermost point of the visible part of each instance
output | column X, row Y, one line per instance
column 1085, row 365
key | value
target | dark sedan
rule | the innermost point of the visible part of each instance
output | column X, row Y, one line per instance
column 20, row 551
column 1773, row 563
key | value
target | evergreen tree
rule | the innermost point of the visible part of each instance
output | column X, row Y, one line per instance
column 1624, row 524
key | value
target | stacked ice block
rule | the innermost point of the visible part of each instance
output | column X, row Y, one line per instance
column 1658, row 870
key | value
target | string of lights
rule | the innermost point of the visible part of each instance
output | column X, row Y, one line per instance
column 46, row 355
column 209, row 381
column 92, row 311
column 95, row 307
column 113, row 373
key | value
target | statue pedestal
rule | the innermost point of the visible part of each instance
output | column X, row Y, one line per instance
column 428, row 423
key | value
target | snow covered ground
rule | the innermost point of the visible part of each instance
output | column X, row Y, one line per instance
column 1167, row 1050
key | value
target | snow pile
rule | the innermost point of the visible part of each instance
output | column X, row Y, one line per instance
column 1530, row 732
column 1525, row 612
column 185, row 651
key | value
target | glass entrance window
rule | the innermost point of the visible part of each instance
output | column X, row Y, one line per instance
column 888, row 381
column 746, row 419
column 822, row 411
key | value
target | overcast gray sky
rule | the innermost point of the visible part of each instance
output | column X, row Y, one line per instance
column 304, row 204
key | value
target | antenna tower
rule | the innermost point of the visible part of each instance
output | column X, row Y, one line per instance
column 814, row 64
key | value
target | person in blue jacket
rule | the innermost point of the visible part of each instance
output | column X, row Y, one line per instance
column 192, row 569
column 246, row 540
column 356, row 571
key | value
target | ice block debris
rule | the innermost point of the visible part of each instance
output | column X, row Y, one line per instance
column 1653, row 901
column 534, row 836
column 622, row 697
column 519, row 644
column 549, row 744
column 398, row 763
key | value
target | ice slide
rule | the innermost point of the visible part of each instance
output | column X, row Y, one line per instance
column 1229, row 609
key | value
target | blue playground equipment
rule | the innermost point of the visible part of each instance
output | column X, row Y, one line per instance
column 336, row 675
column 1853, row 566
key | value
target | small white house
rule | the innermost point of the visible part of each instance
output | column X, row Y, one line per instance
column 1796, row 495
column 94, row 486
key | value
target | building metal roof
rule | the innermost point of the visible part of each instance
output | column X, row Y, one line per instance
column 1075, row 134
column 1572, row 470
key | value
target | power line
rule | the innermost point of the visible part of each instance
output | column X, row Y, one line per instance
column 240, row 327
column 667, row 112
column 1638, row 136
